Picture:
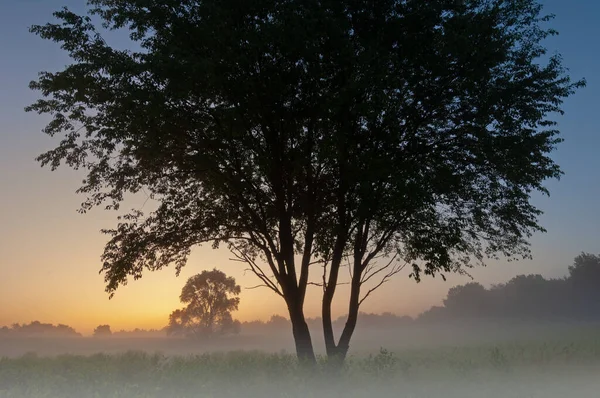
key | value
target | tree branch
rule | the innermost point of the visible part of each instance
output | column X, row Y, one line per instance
column 393, row 271
column 255, row 268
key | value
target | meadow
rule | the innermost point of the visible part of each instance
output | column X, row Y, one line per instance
column 550, row 368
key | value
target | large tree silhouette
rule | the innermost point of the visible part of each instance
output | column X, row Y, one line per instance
column 210, row 297
column 310, row 136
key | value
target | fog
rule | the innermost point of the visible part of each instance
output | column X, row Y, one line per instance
column 416, row 336
column 449, row 359
column 528, row 337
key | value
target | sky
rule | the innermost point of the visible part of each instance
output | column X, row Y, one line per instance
column 50, row 254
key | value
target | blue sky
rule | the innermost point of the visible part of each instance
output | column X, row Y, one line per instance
column 42, row 236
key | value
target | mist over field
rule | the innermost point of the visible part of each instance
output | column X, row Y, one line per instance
column 495, row 359
column 427, row 336
column 527, row 337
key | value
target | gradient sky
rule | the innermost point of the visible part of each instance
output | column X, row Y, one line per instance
column 49, row 254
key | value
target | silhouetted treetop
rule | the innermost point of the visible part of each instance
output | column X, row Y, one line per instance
column 37, row 328
column 310, row 134
column 102, row 331
column 585, row 271
column 210, row 298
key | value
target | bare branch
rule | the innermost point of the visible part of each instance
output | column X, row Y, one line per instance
column 368, row 274
column 396, row 269
column 379, row 246
column 257, row 286
column 321, row 284
column 255, row 268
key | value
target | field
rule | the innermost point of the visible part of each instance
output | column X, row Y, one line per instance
column 552, row 368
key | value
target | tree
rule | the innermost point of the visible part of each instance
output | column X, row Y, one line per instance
column 310, row 136
column 102, row 331
column 584, row 282
column 585, row 271
column 209, row 306
column 467, row 300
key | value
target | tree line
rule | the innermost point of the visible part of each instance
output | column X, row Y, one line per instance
column 575, row 297
column 36, row 328
column 276, row 324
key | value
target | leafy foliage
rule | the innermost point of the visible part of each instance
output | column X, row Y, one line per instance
column 209, row 306
column 376, row 134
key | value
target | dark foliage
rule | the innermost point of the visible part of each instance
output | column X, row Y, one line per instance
column 102, row 331
column 309, row 135
column 210, row 298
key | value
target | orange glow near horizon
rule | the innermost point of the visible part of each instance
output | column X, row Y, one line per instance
column 59, row 282
column 51, row 258
column 48, row 287
column 75, row 296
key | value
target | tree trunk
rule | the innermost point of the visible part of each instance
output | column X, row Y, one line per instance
column 344, row 343
column 302, row 339
column 336, row 353
column 330, row 347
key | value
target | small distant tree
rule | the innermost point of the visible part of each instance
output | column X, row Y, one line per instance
column 210, row 296
column 102, row 331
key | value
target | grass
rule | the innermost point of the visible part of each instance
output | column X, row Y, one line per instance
column 540, row 369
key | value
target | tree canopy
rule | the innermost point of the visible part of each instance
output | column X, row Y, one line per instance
column 102, row 331
column 310, row 135
column 210, row 296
